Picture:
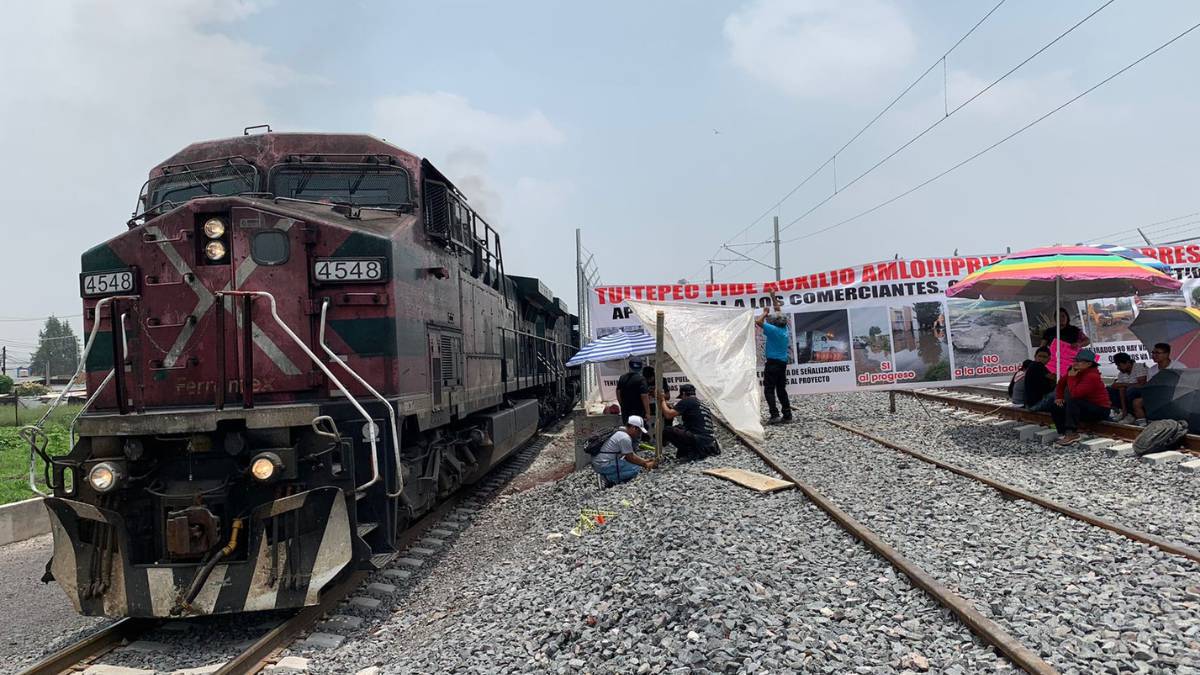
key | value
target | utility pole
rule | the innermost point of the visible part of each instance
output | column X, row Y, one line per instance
column 710, row 275
column 778, row 275
column 3, row 360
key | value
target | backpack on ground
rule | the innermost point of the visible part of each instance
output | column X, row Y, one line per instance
column 597, row 440
column 1160, row 435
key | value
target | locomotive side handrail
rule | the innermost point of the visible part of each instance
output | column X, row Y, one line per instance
column 316, row 361
column 391, row 412
column 29, row 433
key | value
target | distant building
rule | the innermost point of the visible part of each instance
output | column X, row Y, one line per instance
column 903, row 318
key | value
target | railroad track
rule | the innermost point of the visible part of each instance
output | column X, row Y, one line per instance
column 267, row 648
column 984, row 400
column 987, row 630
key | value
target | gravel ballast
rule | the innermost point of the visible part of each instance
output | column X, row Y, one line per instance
column 1088, row 600
column 692, row 574
column 1160, row 499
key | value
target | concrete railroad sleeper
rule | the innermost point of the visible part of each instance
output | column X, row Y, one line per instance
column 265, row 650
column 1049, row 504
column 988, row 630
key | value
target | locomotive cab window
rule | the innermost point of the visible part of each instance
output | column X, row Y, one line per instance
column 270, row 247
column 222, row 181
column 358, row 185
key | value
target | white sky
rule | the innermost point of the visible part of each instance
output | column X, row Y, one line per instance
column 603, row 116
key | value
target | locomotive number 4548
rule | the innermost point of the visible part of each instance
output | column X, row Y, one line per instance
column 348, row 269
column 107, row 283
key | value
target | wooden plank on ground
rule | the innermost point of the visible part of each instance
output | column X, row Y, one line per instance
column 750, row 479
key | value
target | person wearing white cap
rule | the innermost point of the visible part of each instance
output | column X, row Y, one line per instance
column 616, row 460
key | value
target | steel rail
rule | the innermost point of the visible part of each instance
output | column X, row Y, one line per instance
column 91, row 647
column 987, row 630
column 1049, row 504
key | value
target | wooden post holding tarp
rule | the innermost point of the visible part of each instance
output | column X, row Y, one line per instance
column 892, row 402
column 658, row 375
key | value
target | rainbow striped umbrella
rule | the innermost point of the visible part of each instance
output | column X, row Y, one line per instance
column 1063, row 273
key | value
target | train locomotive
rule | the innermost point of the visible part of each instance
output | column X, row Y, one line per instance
column 302, row 343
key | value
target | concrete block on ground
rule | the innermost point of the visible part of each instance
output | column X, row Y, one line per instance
column 1166, row 457
column 963, row 413
column 1190, row 465
column 946, row 410
column 988, row 419
column 1098, row 443
column 393, row 574
column 432, row 542
column 381, row 589
column 1119, row 450
column 289, row 664
column 104, row 669
column 421, row 551
column 1046, row 436
column 369, row 670
column 1027, row 432
column 364, row 603
column 1004, row 424
column 200, row 670
column 322, row 641
column 410, row 562
column 441, row 534
column 341, row 623
column 22, row 520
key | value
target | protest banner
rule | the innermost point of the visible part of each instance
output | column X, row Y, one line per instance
column 889, row 325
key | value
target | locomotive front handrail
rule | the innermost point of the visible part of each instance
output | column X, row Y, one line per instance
column 30, row 432
column 316, row 361
column 391, row 412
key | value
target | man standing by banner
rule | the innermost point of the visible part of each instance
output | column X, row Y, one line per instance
column 775, row 332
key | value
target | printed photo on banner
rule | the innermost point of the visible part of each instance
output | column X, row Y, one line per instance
column 1108, row 319
column 822, row 337
column 871, row 337
column 988, row 338
column 919, row 341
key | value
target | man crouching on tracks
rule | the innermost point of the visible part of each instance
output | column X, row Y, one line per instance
column 696, row 438
column 616, row 460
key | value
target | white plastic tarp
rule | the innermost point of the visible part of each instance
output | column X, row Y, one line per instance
column 715, row 348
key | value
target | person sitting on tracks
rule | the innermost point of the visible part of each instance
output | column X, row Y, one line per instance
column 1161, row 357
column 616, row 460
column 633, row 392
column 1131, row 375
column 696, row 438
column 1039, row 382
column 1080, row 397
column 775, row 331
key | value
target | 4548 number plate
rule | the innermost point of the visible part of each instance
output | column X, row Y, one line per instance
column 113, row 282
column 343, row 270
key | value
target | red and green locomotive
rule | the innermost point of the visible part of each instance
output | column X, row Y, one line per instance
column 301, row 344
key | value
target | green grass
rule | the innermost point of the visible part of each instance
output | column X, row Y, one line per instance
column 14, row 452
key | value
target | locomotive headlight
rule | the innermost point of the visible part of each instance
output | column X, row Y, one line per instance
column 266, row 466
column 105, row 476
column 214, row 228
column 215, row 250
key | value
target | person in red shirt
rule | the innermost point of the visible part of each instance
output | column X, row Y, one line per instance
column 1080, row 397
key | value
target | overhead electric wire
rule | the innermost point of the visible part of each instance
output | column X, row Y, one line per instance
column 947, row 116
column 9, row 319
column 832, row 158
column 998, row 143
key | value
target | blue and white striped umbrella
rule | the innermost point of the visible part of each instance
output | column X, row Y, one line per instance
column 1137, row 257
column 619, row 345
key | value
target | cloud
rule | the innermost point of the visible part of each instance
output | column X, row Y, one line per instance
column 460, row 139
column 819, row 48
column 95, row 93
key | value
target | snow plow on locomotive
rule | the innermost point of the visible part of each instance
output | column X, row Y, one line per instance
column 302, row 343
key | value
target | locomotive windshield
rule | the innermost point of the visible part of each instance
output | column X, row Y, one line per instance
column 185, row 183
column 358, row 185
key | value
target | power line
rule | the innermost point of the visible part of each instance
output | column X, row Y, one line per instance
column 949, row 113
column 1000, row 142
column 7, row 319
column 941, row 60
